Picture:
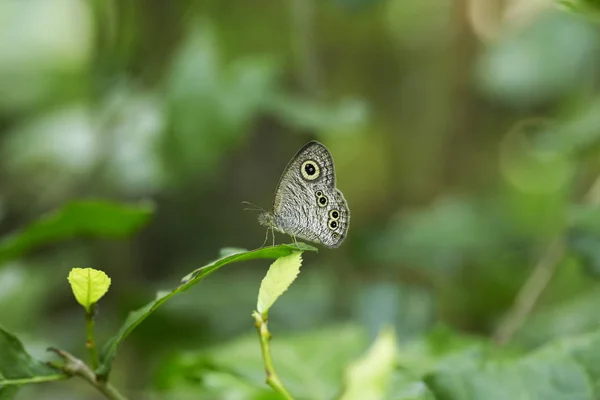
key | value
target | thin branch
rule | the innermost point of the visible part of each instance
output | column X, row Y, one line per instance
column 531, row 291
column 539, row 279
column 260, row 322
column 34, row 379
column 75, row 367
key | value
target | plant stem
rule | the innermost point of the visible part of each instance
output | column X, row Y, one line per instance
column 260, row 322
column 74, row 366
column 33, row 379
column 91, row 341
column 531, row 291
column 539, row 279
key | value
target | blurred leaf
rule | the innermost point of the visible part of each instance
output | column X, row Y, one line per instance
column 406, row 388
column 92, row 218
column 17, row 367
column 586, row 247
column 45, row 57
column 280, row 276
column 310, row 365
column 311, row 115
column 8, row 392
column 577, row 133
column 555, row 376
column 454, row 367
column 88, row 285
column 590, row 8
column 438, row 237
column 567, row 369
column 209, row 102
column 530, row 167
column 41, row 142
column 131, row 123
column 22, row 309
column 584, row 218
column 369, row 376
column 440, row 348
column 378, row 304
column 219, row 385
column 574, row 316
column 583, row 238
column 137, row 317
column 409, row 308
column 523, row 71
column 34, row 152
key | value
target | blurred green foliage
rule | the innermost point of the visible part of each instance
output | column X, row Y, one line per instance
column 465, row 136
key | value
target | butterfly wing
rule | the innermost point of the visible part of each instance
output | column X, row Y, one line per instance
column 294, row 179
column 305, row 196
column 333, row 218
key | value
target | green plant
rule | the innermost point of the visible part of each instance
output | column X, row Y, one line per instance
column 17, row 367
column 441, row 365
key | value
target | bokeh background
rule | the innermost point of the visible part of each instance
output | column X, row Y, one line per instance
column 465, row 135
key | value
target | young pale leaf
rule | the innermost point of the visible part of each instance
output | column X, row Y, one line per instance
column 17, row 367
column 88, row 285
column 280, row 276
column 369, row 376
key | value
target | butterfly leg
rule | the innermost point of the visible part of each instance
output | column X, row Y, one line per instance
column 266, row 237
column 295, row 241
column 273, row 233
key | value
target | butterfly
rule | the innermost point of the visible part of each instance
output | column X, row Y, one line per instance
column 307, row 204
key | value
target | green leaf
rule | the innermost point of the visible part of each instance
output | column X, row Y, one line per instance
column 8, row 392
column 204, row 90
column 585, row 248
column 590, row 8
column 309, row 114
column 369, row 377
column 584, row 218
column 440, row 236
column 311, row 365
column 88, row 285
column 280, row 276
column 92, row 218
column 553, row 377
column 403, row 387
column 136, row 317
column 440, row 347
column 583, row 236
column 219, row 385
column 575, row 316
column 567, row 369
column 17, row 367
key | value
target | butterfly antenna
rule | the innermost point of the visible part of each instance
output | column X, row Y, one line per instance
column 253, row 207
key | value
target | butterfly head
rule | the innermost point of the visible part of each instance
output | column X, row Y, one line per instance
column 266, row 219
